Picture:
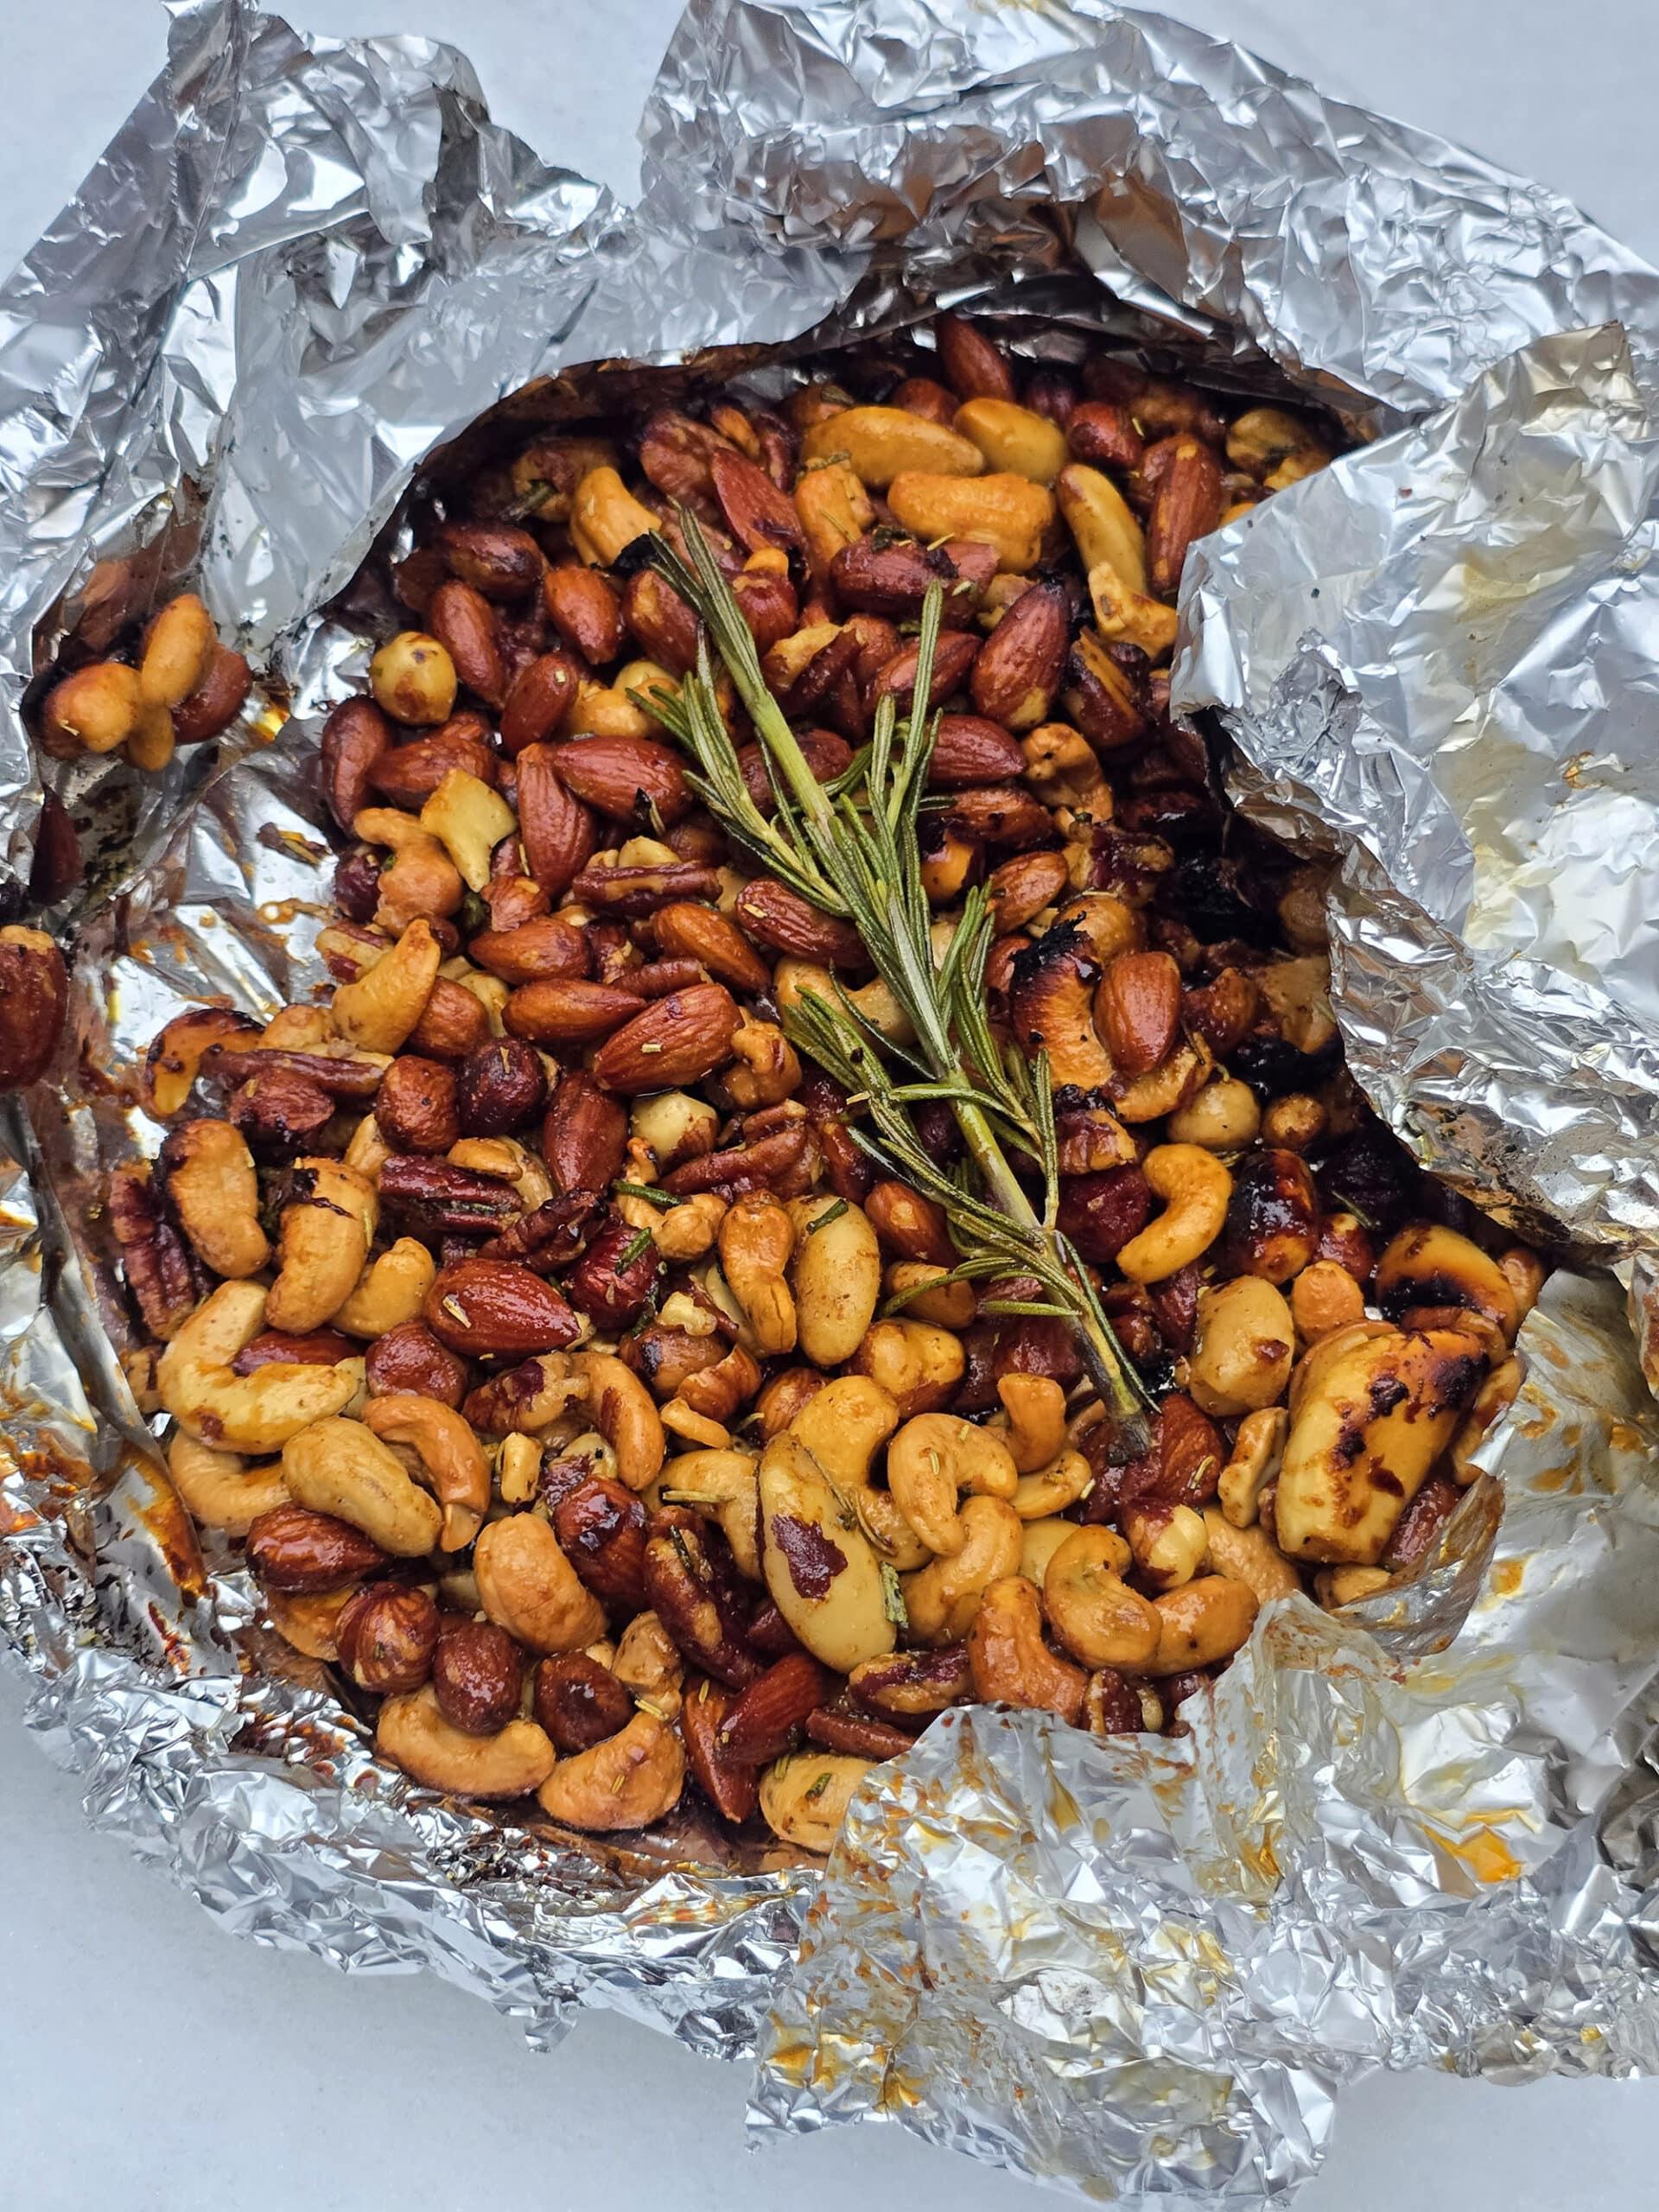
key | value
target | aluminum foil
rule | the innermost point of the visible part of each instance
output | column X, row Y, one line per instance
column 302, row 266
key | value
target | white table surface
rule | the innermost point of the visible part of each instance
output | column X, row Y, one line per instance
column 147, row 2060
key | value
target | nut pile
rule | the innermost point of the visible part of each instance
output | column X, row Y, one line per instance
column 180, row 685
column 578, row 1384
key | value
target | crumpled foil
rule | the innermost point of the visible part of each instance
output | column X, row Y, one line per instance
column 1141, row 1969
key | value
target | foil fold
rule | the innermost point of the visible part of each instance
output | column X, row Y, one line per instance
column 302, row 265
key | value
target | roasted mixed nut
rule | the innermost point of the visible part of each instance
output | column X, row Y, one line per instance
column 543, row 1304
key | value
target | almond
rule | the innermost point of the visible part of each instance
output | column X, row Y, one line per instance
column 1101, row 434
column 584, row 608
column 757, row 514
column 1021, row 888
column 770, row 605
column 926, row 396
column 626, row 778
column 33, row 1001
column 1186, row 504
column 293, row 1548
column 549, row 945
column 409, row 1361
column 584, row 1138
column 217, row 700
column 565, row 1010
column 827, row 755
column 970, row 749
column 678, row 1040
column 353, row 738
column 781, row 919
column 688, row 932
column 542, row 694
column 495, row 1307
column 1138, row 1007
column 555, row 829
column 731, row 1786
column 409, row 775
column 463, row 622
column 766, row 1717
column 497, row 559
column 973, row 365
column 1020, row 663
column 953, row 657
column 1101, row 698
column 1002, row 814
column 662, row 622
column 890, row 578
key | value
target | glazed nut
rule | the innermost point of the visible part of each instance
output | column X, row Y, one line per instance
column 324, row 1239
column 295, row 1549
column 1093, row 1612
column 94, row 710
column 386, row 1635
column 1018, row 671
column 1049, row 1489
column 555, row 829
column 175, row 1058
column 180, row 644
column 413, row 678
column 1011, row 1663
column 927, row 1294
column 933, row 1458
column 499, row 1089
column 649, row 1666
column 340, row 1467
column 469, row 820
column 685, row 930
column 804, row 1796
column 1323, row 1298
column 909, row 1224
column 1203, row 1622
column 629, row 1781
column 456, row 1470
column 1222, row 1116
column 1427, row 1265
column 821, row 1571
column 1186, row 504
column 1196, row 1189
column 1002, row 511
column 1013, row 438
column 497, row 1308
column 579, row 1702
column 1272, row 1222
column 757, row 1240
column 943, row 1598
column 388, row 1294
column 414, row 1106
column 1248, row 1556
column 1021, row 888
column 35, row 1001
column 605, row 516
column 254, row 1413
column 1102, row 526
column 881, row 443
column 379, row 1011
column 1168, row 1541
column 583, row 607
column 914, row 1685
column 1258, row 1451
column 494, row 558
column 765, row 1718
column 220, row 1489
column 1138, row 1010
column 836, row 1278
column 834, row 510
column 464, row 624
column 916, row 1364
column 529, row 1587
column 1127, row 616
column 413, row 1732
column 675, row 1041
column 1246, row 1343
column 621, row 1408
column 212, row 1188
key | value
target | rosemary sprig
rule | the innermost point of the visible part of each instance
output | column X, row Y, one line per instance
column 850, row 848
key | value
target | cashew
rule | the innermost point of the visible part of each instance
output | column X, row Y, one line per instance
column 518, row 1468
column 804, row 1796
column 1258, row 1451
column 931, row 1460
column 1052, row 1488
column 928, row 1294
column 1120, row 612
column 1035, row 1405
column 627, row 1782
column 459, row 1472
column 388, row 1292
column 1427, row 1265
column 255, row 1413
column 381, row 1009
column 624, row 1415
column 605, row 516
column 723, row 1484
column 1168, row 1541
column 942, row 1599
column 757, row 1239
column 527, row 1585
column 1167, row 1088
column 368, row 1151
column 1102, row 526
column 1042, row 1539
column 821, row 1568
column 1195, row 1188
column 1092, row 1610
column 298, row 1029
column 1362, row 1443
column 918, row 1365
column 414, row 1735
column 1200, row 1623
column 836, row 1275
column 219, row 1487
column 423, row 883
column 1246, row 1340
column 1248, row 1556
column 1108, row 924
column 339, row 1467
column 649, row 1666
column 324, row 1240
column 215, row 1192
column 1015, row 438
column 843, row 1426
column 1495, row 1396
column 1011, row 1663
column 469, row 820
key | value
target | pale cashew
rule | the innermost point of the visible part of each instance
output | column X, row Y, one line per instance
column 804, row 1796
column 1035, row 1405
column 255, row 1413
column 757, row 1240
column 918, row 1365
column 1052, row 1488
column 1200, row 1623
column 1258, row 1451
column 627, row 1782
column 821, row 1568
column 649, row 1666
column 381, row 1008
column 837, row 1274
column 469, row 820
column 389, row 1291
column 1169, row 1542
column 680, row 1419
column 219, row 1487
column 1250, row 1556
column 452, row 1456
column 324, row 1240
column 414, row 1735
column 725, row 1485
column 518, row 1468
column 368, row 1151
column 339, row 1467
column 929, row 1294
column 1363, row 1442
column 942, row 1599
column 1011, row 1663
column 625, row 1415
column 932, row 1459
column 1195, row 1188
column 1246, row 1342
column 215, row 1192
column 1094, row 1612
column 527, row 1585
column 1042, row 1540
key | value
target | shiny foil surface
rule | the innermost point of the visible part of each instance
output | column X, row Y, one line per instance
column 1141, row 1969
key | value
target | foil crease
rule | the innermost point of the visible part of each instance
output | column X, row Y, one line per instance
column 304, row 264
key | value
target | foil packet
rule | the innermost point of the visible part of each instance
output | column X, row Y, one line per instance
column 303, row 266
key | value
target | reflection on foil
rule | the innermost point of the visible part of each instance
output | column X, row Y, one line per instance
column 1143, row 1967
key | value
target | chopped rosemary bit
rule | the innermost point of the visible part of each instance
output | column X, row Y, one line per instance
column 829, row 1214
column 632, row 1248
column 661, row 1199
column 893, row 1598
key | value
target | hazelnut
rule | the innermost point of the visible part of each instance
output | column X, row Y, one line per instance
column 500, row 1087
column 386, row 1635
column 477, row 1675
column 409, row 1360
column 415, row 1105
column 579, row 1702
